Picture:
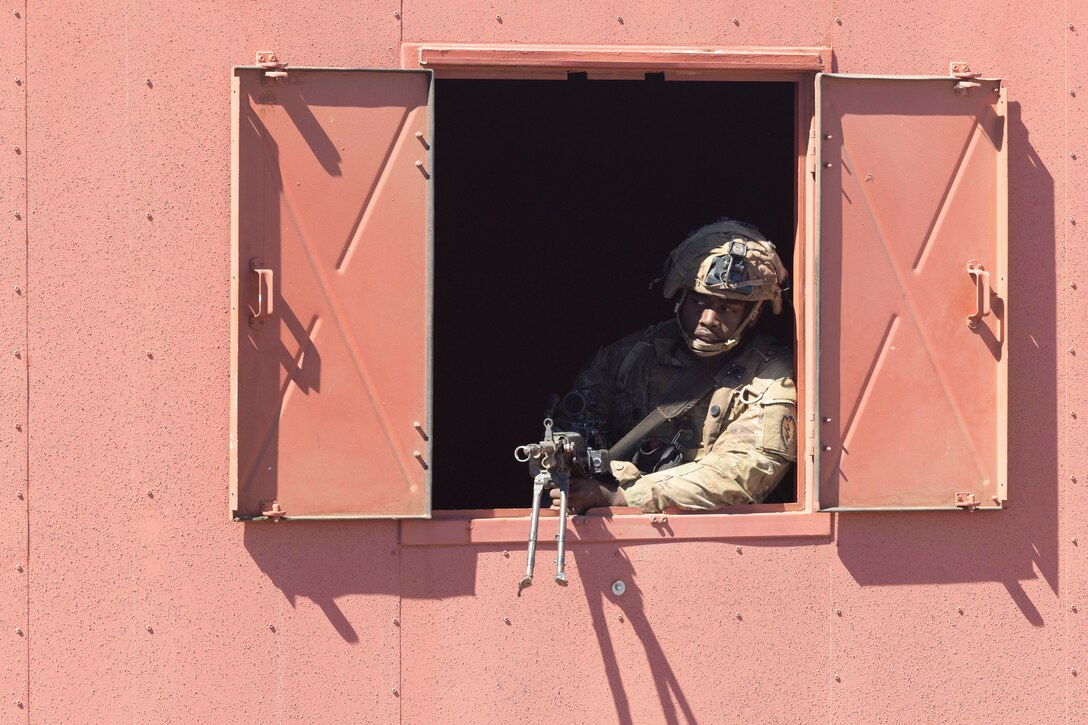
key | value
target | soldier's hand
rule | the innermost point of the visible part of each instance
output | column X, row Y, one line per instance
column 587, row 493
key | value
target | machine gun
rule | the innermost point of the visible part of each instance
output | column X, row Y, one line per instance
column 551, row 463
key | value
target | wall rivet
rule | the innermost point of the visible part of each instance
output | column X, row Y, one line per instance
column 271, row 627
column 18, row 215
column 1073, row 671
column 827, row 165
column 18, row 289
column 1072, row 607
column 1073, row 479
column 1071, row 27
column 17, row 353
column 827, row 419
column 19, row 495
column 620, row 618
column 396, row 622
column 738, row 616
column 736, row 21
column 19, row 568
column 149, row 629
column 16, row 13
column 506, row 620
column 396, row 692
column 739, row 550
column 498, row 18
column 1073, row 541
column 827, row 449
column 148, row 215
column 18, row 426
column 838, row 612
column 150, row 493
column 19, row 631
column 1073, row 155
column 827, row 137
column 149, row 354
column 18, row 703
column 1073, row 285
column 1072, row 220
column 959, row 609
column 1073, row 413
column 838, row 21
column 18, row 150
column 18, row 81
column 1072, row 92
column 396, row 14
column 838, row 679
column 1072, row 351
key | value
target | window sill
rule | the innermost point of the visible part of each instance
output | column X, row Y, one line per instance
column 510, row 526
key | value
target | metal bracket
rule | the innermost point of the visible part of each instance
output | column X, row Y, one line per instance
column 274, row 69
column 272, row 510
column 966, row 500
column 966, row 78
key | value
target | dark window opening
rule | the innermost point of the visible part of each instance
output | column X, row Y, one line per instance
column 556, row 203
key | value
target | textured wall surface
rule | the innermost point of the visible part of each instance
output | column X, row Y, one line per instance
column 137, row 599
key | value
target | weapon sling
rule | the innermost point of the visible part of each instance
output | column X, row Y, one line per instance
column 681, row 396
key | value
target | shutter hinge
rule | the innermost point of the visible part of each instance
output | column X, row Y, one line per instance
column 966, row 500
column 966, row 78
column 274, row 511
column 274, row 69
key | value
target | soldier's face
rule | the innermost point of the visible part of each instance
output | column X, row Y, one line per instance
column 711, row 319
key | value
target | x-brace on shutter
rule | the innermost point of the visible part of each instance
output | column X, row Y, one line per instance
column 332, row 293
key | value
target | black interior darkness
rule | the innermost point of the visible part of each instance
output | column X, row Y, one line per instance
column 556, row 203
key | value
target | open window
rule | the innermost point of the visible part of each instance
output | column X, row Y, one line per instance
column 475, row 236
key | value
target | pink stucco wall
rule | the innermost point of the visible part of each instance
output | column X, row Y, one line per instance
column 139, row 601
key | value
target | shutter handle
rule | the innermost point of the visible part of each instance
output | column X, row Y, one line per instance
column 265, row 293
column 982, row 286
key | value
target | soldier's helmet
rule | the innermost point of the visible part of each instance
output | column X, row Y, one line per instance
column 731, row 260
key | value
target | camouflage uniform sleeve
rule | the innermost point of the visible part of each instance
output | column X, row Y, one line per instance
column 743, row 465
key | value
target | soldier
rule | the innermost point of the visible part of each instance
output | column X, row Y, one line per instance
column 732, row 403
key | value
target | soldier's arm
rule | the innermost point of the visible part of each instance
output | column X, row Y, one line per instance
column 745, row 463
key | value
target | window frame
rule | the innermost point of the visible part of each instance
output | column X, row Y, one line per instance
column 795, row 65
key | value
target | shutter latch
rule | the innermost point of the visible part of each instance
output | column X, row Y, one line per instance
column 274, row 511
column 967, row 78
column 274, row 70
column 966, row 500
